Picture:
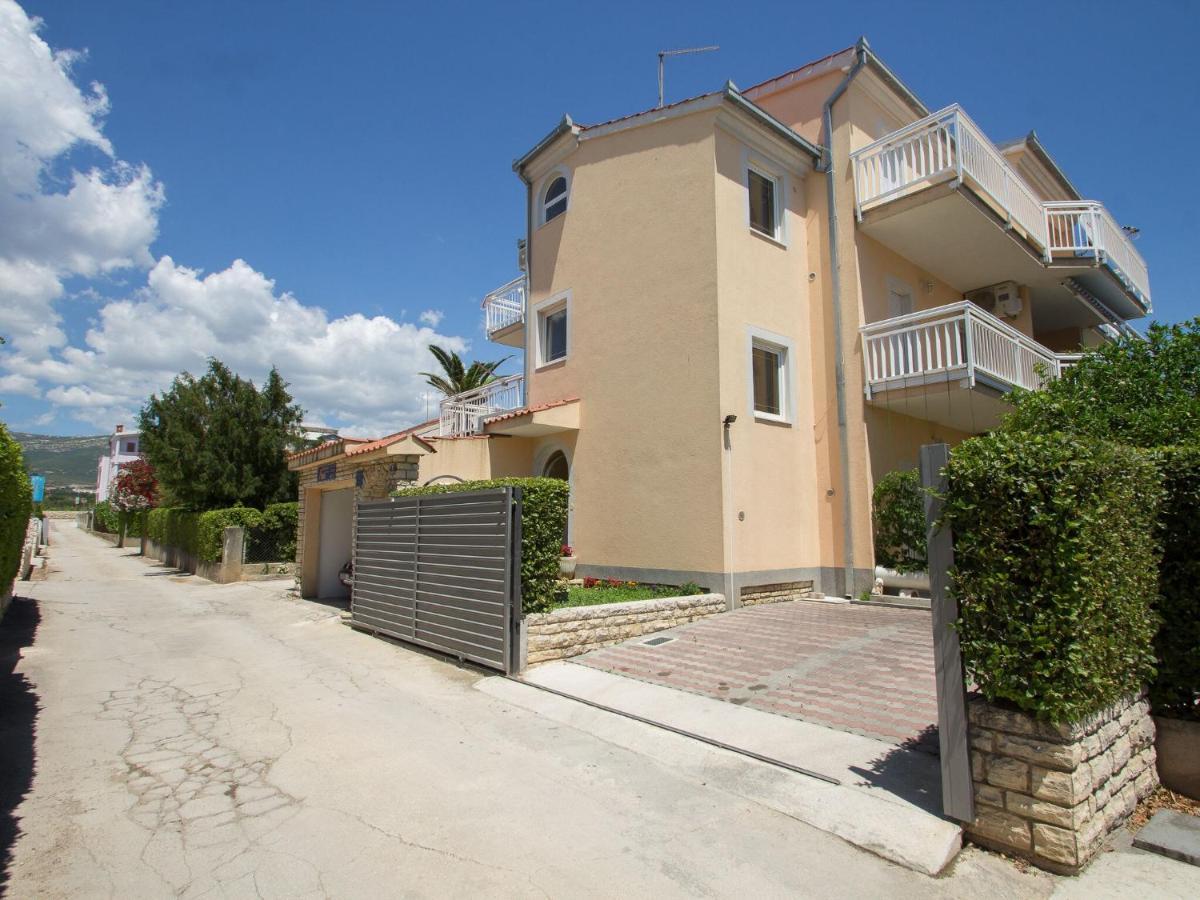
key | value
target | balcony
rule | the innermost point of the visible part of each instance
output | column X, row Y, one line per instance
column 463, row 414
column 952, row 365
column 504, row 312
column 940, row 193
column 1085, row 233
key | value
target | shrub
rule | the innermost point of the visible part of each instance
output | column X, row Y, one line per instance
column 105, row 518
column 16, row 498
column 277, row 529
column 1055, row 569
column 173, row 526
column 543, row 523
column 898, row 511
column 1175, row 690
column 210, row 529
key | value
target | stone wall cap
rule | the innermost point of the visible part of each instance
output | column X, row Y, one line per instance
column 629, row 607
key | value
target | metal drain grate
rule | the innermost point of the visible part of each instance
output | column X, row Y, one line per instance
column 658, row 641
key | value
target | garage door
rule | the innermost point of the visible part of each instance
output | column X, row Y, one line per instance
column 442, row 571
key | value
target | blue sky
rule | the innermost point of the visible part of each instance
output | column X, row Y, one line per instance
column 358, row 155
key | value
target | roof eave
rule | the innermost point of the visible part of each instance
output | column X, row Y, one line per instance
column 565, row 126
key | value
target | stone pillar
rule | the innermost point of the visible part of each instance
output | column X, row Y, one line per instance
column 231, row 554
column 1052, row 793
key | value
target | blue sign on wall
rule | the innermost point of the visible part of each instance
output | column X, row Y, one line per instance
column 327, row 472
column 38, row 483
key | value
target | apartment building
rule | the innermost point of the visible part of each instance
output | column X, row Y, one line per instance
column 740, row 310
column 123, row 447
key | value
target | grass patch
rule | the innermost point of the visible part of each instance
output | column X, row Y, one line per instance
column 582, row 595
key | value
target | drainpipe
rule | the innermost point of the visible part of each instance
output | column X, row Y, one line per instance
column 836, row 278
column 528, row 270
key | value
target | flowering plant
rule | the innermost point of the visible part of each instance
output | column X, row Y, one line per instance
column 135, row 487
column 567, row 550
column 590, row 582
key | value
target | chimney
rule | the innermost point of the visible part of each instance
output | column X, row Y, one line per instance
column 120, row 428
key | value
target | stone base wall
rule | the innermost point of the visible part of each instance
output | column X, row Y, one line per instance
column 756, row 594
column 578, row 629
column 1052, row 793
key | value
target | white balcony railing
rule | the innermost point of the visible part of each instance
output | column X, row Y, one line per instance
column 464, row 413
column 955, row 341
column 505, row 306
column 1086, row 229
column 940, row 146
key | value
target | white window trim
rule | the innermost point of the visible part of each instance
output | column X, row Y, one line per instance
column 545, row 307
column 767, row 168
column 787, row 390
column 894, row 285
column 551, row 176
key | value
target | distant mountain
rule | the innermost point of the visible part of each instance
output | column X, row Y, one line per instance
column 63, row 460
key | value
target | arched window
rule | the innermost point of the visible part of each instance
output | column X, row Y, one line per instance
column 557, row 466
column 554, row 199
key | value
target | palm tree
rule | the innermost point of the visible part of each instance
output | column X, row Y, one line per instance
column 456, row 377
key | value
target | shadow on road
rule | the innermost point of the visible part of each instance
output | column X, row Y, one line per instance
column 18, row 723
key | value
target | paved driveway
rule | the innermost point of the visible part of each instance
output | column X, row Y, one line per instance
column 868, row 670
column 166, row 737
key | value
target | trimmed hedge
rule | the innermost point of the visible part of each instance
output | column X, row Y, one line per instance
column 1055, row 569
column 898, row 513
column 543, row 525
column 173, row 526
column 1175, row 691
column 210, row 530
column 277, row 528
column 16, row 503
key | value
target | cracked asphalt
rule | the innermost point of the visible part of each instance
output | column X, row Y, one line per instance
column 200, row 740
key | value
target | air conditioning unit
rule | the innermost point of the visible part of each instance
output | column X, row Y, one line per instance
column 1003, row 299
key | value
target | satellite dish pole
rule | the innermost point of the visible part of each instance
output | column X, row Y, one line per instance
column 662, row 54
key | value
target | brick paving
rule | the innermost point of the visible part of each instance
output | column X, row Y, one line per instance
column 867, row 670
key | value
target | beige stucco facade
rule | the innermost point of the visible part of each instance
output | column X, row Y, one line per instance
column 666, row 287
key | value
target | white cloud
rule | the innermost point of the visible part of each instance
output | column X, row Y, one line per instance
column 54, row 226
column 348, row 369
column 93, row 221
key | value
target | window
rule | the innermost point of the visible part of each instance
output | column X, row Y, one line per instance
column 554, row 199
column 770, row 386
column 552, row 336
column 130, row 446
column 764, row 212
column 768, row 375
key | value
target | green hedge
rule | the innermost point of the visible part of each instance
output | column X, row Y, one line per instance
column 543, row 526
column 16, row 499
column 173, row 526
column 1175, row 691
column 277, row 529
column 210, row 535
column 104, row 517
column 898, row 513
column 1055, row 569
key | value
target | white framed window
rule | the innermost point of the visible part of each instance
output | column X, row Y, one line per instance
column 766, row 190
column 770, row 368
column 553, row 334
column 554, row 196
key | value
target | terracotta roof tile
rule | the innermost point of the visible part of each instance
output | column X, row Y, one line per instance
column 387, row 441
column 328, row 445
column 526, row 410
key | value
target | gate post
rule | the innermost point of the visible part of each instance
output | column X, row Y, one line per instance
column 517, row 647
column 958, row 793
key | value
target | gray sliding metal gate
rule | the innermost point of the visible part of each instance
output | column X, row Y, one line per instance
column 442, row 571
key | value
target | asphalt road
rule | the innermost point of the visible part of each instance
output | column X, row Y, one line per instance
column 162, row 736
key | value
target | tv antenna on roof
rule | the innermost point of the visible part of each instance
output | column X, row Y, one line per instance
column 663, row 54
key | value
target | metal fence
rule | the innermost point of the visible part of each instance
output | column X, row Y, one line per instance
column 269, row 545
column 442, row 571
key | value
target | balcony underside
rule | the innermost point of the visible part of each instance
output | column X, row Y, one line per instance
column 959, row 237
column 510, row 335
column 947, row 399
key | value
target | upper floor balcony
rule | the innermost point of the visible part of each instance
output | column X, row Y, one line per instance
column 941, row 194
column 504, row 313
column 464, row 414
column 953, row 365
